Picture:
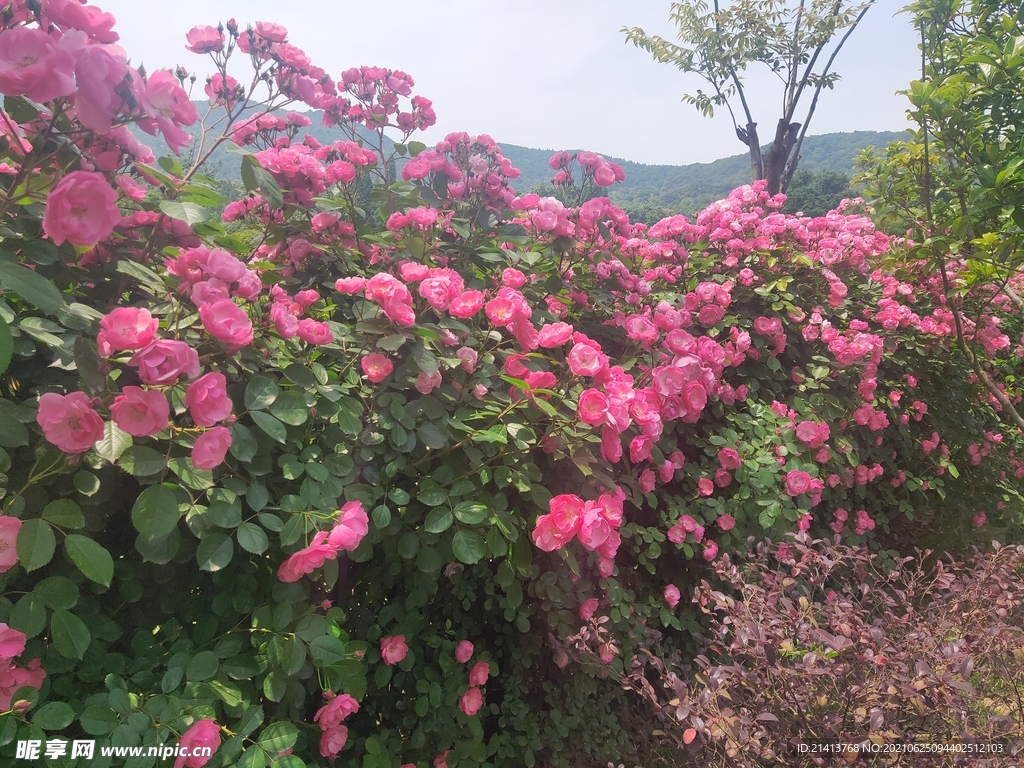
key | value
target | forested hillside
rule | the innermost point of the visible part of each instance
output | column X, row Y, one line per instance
column 649, row 191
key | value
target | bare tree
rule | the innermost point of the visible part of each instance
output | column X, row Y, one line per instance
column 789, row 37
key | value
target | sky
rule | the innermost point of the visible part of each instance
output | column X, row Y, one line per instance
column 549, row 74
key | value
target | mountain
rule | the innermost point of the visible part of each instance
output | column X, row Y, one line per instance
column 649, row 191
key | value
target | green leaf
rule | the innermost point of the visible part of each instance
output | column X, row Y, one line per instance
column 36, row 544
column 155, row 513
column 6, row 345
column 391, row 343
column 260, row 392
column 70, row 635
column 190, row 213
column 142, row 273
column 471, row 512
column 432, row 496
column 408, row 545
column 277, row 737
column 243, row 443
column 57, row 592
column 301, row 375
column 54, row 716
column 425, row 359
column 270, row 425
column 31, row 286
column 86, row 483
column 92, row 559
column 98, row 720
column 433, row 435
column 252, row 538
column 215, row 552
column 291, row 408
column 89, row 365
column 113, row 443
column 142, row 461
column 327, row 649
column 202, row 666
column 468, row 546
column 438, row 520
column 64, row 513
column 29, row 615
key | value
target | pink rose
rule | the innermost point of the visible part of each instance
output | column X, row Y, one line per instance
column 426, row 384
column 204, row 39
column 466, row 304
column 204, row 733
column 471, row 701
column 729, row 458
column 140, row 412
column 469, row 358
column 164, row 360
column 797, row 482
column 710, row 551
column 393, row 649
column 207, row 399
column 211, row 447
column 331, row 714
column 463, row 651
column 351, row 526
column 9, row 527
column 227, row 322
column 69, row 422
column 33, row 64
column 12, row 643
column 479, row 673
column 376, row 367
column 672, row 595
column 585, row 360
column 81, row 209
column 350, row 285
column 125, row 328
column 313, row 332
column 225, row 266
column 705, row 487
column 593, row 407
column 726, row 522
column 588, row 608
column 167, row 107
column 308, row 559
column 554, row 335
column 332, row 741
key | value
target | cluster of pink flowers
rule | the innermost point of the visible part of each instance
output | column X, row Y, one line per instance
column 595, row 523
column 349, row 529
column 472, row 699
column 593, row 167
column 473, row 169
column 12, row 677
column 330, row 717
column 287, row 315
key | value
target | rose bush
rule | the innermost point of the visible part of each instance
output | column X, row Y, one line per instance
column 393, row 455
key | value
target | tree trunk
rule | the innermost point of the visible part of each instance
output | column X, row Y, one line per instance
column 775, row 158
column 749, row 137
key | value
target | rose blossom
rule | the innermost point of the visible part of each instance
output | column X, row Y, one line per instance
column 69, row 422
column 797, row 482
column 672, row 595
column 332, row 741
column 211, row 447
column 125, row 328
column 204, row 39
column 331, row 714
column 479, row 673
column 471, row 701
column 376, row 367
column 350, row 527
column 308, row 559
column 33, row 64
column 393, row 649
column 463, row 651
column 140, row 412
column 227, row 322
column 588, row 608
column 726, row 522
column 729, row 458
column 207, row 399
column 204, row 733
column 81, row 209
column 164, row 360
column 9, row 527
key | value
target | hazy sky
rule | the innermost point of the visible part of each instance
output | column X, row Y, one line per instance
column 552, row 74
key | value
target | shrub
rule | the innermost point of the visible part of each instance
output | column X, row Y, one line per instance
column 813, row 641
column 266, row 489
